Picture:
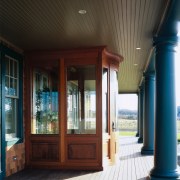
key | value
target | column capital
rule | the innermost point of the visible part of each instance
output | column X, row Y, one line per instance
column 160, row 40
column 141, row 86
column 149, row 75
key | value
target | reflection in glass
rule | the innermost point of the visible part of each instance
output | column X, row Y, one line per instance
column 81, row 100
column 73, row 101
column 45, row 103
column 11, row 117
column 113, row 95
column 11, row 77
column 11, row 68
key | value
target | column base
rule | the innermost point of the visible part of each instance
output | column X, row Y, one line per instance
column 140, row 140
column 157, row 174
column 147, row 151
column 161, row 178
column 137, row 134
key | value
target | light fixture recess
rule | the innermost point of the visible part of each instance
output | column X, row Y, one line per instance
column 138, row 48
column 135, row 64
column 82, row 11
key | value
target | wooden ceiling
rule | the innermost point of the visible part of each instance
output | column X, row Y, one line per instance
column 122, row 25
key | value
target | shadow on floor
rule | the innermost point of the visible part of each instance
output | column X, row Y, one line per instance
column 39, row 174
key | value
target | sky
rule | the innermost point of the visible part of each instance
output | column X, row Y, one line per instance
column 129, row 101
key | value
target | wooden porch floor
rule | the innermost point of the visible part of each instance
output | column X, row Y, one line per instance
column 131, row 165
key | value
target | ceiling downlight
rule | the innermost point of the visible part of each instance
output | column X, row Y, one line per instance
column 82, row 11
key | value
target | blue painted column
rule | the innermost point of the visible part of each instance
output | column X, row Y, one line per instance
column 165, row 152
column 138, row 116
column 149, row 114
column 141, row 106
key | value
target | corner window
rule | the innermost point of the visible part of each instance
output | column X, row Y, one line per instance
column 11, row 97
column 13, row 117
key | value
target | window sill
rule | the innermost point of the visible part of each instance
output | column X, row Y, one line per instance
column 13, row 141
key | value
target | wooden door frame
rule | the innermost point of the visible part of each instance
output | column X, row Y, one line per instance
column 86, row 56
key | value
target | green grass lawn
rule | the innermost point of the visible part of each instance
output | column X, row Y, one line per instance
column 133, row 133
column 178, row 137
column 130, row 126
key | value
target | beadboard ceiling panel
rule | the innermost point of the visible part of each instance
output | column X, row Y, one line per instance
column 122, row 25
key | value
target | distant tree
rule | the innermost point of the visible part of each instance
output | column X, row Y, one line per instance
column 127, row 114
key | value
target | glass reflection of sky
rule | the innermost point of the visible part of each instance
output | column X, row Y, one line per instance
column 8, row 105
column 10, row 91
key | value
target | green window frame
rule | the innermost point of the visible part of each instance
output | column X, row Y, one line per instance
column 12, row 95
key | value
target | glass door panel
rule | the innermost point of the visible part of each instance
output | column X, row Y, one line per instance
column 105, row 100
column 113, row 102
column 45, row 101
column 81, row 100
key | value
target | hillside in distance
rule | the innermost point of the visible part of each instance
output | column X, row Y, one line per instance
column 127, row 114
column 132, row 114
column 178, row 112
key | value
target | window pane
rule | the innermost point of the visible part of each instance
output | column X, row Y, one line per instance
column 45, row 81
column 81, row 100
column 37, row 81
column 15, row 69
column 113, row 101
column 15, row 86
column 7, row 65
column 73, row 101
column 12, row 68
column 11, row 80
column 90, row 104
column 11, row 117
column 105, row 101
column 12, row 90
column 6, row 85
column 45, row 103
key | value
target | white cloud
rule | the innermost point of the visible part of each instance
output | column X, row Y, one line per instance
column 127, row 101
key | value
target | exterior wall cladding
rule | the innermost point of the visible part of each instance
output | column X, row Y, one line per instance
column 15, row 158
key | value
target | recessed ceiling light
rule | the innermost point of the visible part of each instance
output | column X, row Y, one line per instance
column 138, row 48
column 135, row 64
column 82, row 11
